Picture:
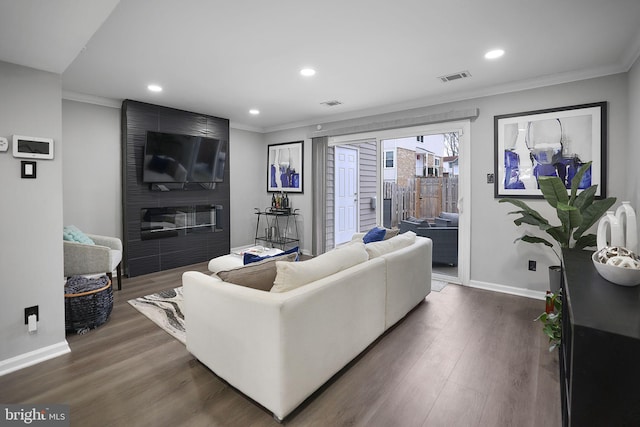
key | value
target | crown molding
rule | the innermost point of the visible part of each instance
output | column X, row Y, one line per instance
column 631, row 54
column 91, row 99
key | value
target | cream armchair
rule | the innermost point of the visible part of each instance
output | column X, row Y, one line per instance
column 103, row 257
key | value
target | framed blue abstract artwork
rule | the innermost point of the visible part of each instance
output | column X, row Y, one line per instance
column 552, row 142
column 284, row 168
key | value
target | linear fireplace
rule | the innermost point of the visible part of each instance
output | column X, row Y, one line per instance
column 160, row 223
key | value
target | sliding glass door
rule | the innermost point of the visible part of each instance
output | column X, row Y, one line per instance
column 411, row 178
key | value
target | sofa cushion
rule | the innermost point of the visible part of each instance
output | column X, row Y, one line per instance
column 376, row 249
column 257, row 275
column 249, row 257
column 376, row 234
column 291, row 275
column 71, row 233
column 391, row 232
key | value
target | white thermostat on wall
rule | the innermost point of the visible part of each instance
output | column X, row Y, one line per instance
column 32, row 147
column 4, row 144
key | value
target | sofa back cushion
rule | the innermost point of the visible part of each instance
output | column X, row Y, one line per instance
column 257, row 275
column 376, row 249
column 292, row 275
column 391, row 232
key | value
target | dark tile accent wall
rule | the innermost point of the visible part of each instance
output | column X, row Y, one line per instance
column 148, row 256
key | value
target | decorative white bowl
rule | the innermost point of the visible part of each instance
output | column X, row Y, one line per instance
column 619, row 275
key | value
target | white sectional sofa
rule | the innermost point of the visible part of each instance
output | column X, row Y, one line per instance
column 280, row 347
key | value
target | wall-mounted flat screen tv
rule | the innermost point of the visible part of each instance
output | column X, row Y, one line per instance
column 174, row 158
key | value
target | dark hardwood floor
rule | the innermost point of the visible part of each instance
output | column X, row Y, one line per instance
column 464, row 357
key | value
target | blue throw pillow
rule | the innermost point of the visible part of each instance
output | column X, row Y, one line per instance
column 249, row 258
column 374, row 235
column 71, row 233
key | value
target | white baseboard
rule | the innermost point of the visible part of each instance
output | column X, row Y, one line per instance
column 33, row 357
column 528, row 293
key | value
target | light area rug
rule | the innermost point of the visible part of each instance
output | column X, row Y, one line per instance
column 165, row 309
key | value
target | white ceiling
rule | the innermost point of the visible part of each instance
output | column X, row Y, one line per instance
column 225, row 57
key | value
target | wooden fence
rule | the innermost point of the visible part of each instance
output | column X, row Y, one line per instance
column 422, row 198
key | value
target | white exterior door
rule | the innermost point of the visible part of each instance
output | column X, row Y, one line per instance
column 346, row 194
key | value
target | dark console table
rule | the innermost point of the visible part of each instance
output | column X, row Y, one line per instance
column 600, row 350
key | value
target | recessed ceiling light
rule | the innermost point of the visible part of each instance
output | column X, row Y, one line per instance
column 254, row 111
column 155, row 88
column 307, row 72
column 493, row 54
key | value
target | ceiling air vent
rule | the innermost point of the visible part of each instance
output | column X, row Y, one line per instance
column 455, row 76
column 332, row 103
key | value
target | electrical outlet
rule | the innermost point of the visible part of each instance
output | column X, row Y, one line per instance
column 29, row 311
column 532, row 265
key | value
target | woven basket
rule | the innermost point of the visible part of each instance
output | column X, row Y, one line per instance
column 87, row 303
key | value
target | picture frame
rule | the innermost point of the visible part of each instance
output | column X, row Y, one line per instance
column 550, row 142
column 285, row 167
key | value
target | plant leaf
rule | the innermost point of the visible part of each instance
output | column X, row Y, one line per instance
column 553, row 190
column 531, row 220
column 572, row 217
column 586, row 241
column 559, row 235
column 585, row 198
column 592, row 213
column 525, row 208
column 577, row 178
column 534, row 239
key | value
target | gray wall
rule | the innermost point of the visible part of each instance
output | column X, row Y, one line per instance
column 298, row 201
column 494, row 257
column 92, row 174
column 248, row 184
column 31, row 227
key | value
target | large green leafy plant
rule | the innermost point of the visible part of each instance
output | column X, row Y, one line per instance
column 577, row 212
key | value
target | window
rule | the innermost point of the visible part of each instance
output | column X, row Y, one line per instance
column 437, row 161
column 388, row 159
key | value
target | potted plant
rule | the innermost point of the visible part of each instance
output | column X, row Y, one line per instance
column 552, row 319
column 577, row 213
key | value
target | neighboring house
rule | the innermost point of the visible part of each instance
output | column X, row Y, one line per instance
column 407, row 158
column 433, row 166
column 450, row 165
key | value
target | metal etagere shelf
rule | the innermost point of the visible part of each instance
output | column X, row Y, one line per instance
column 277, row 227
